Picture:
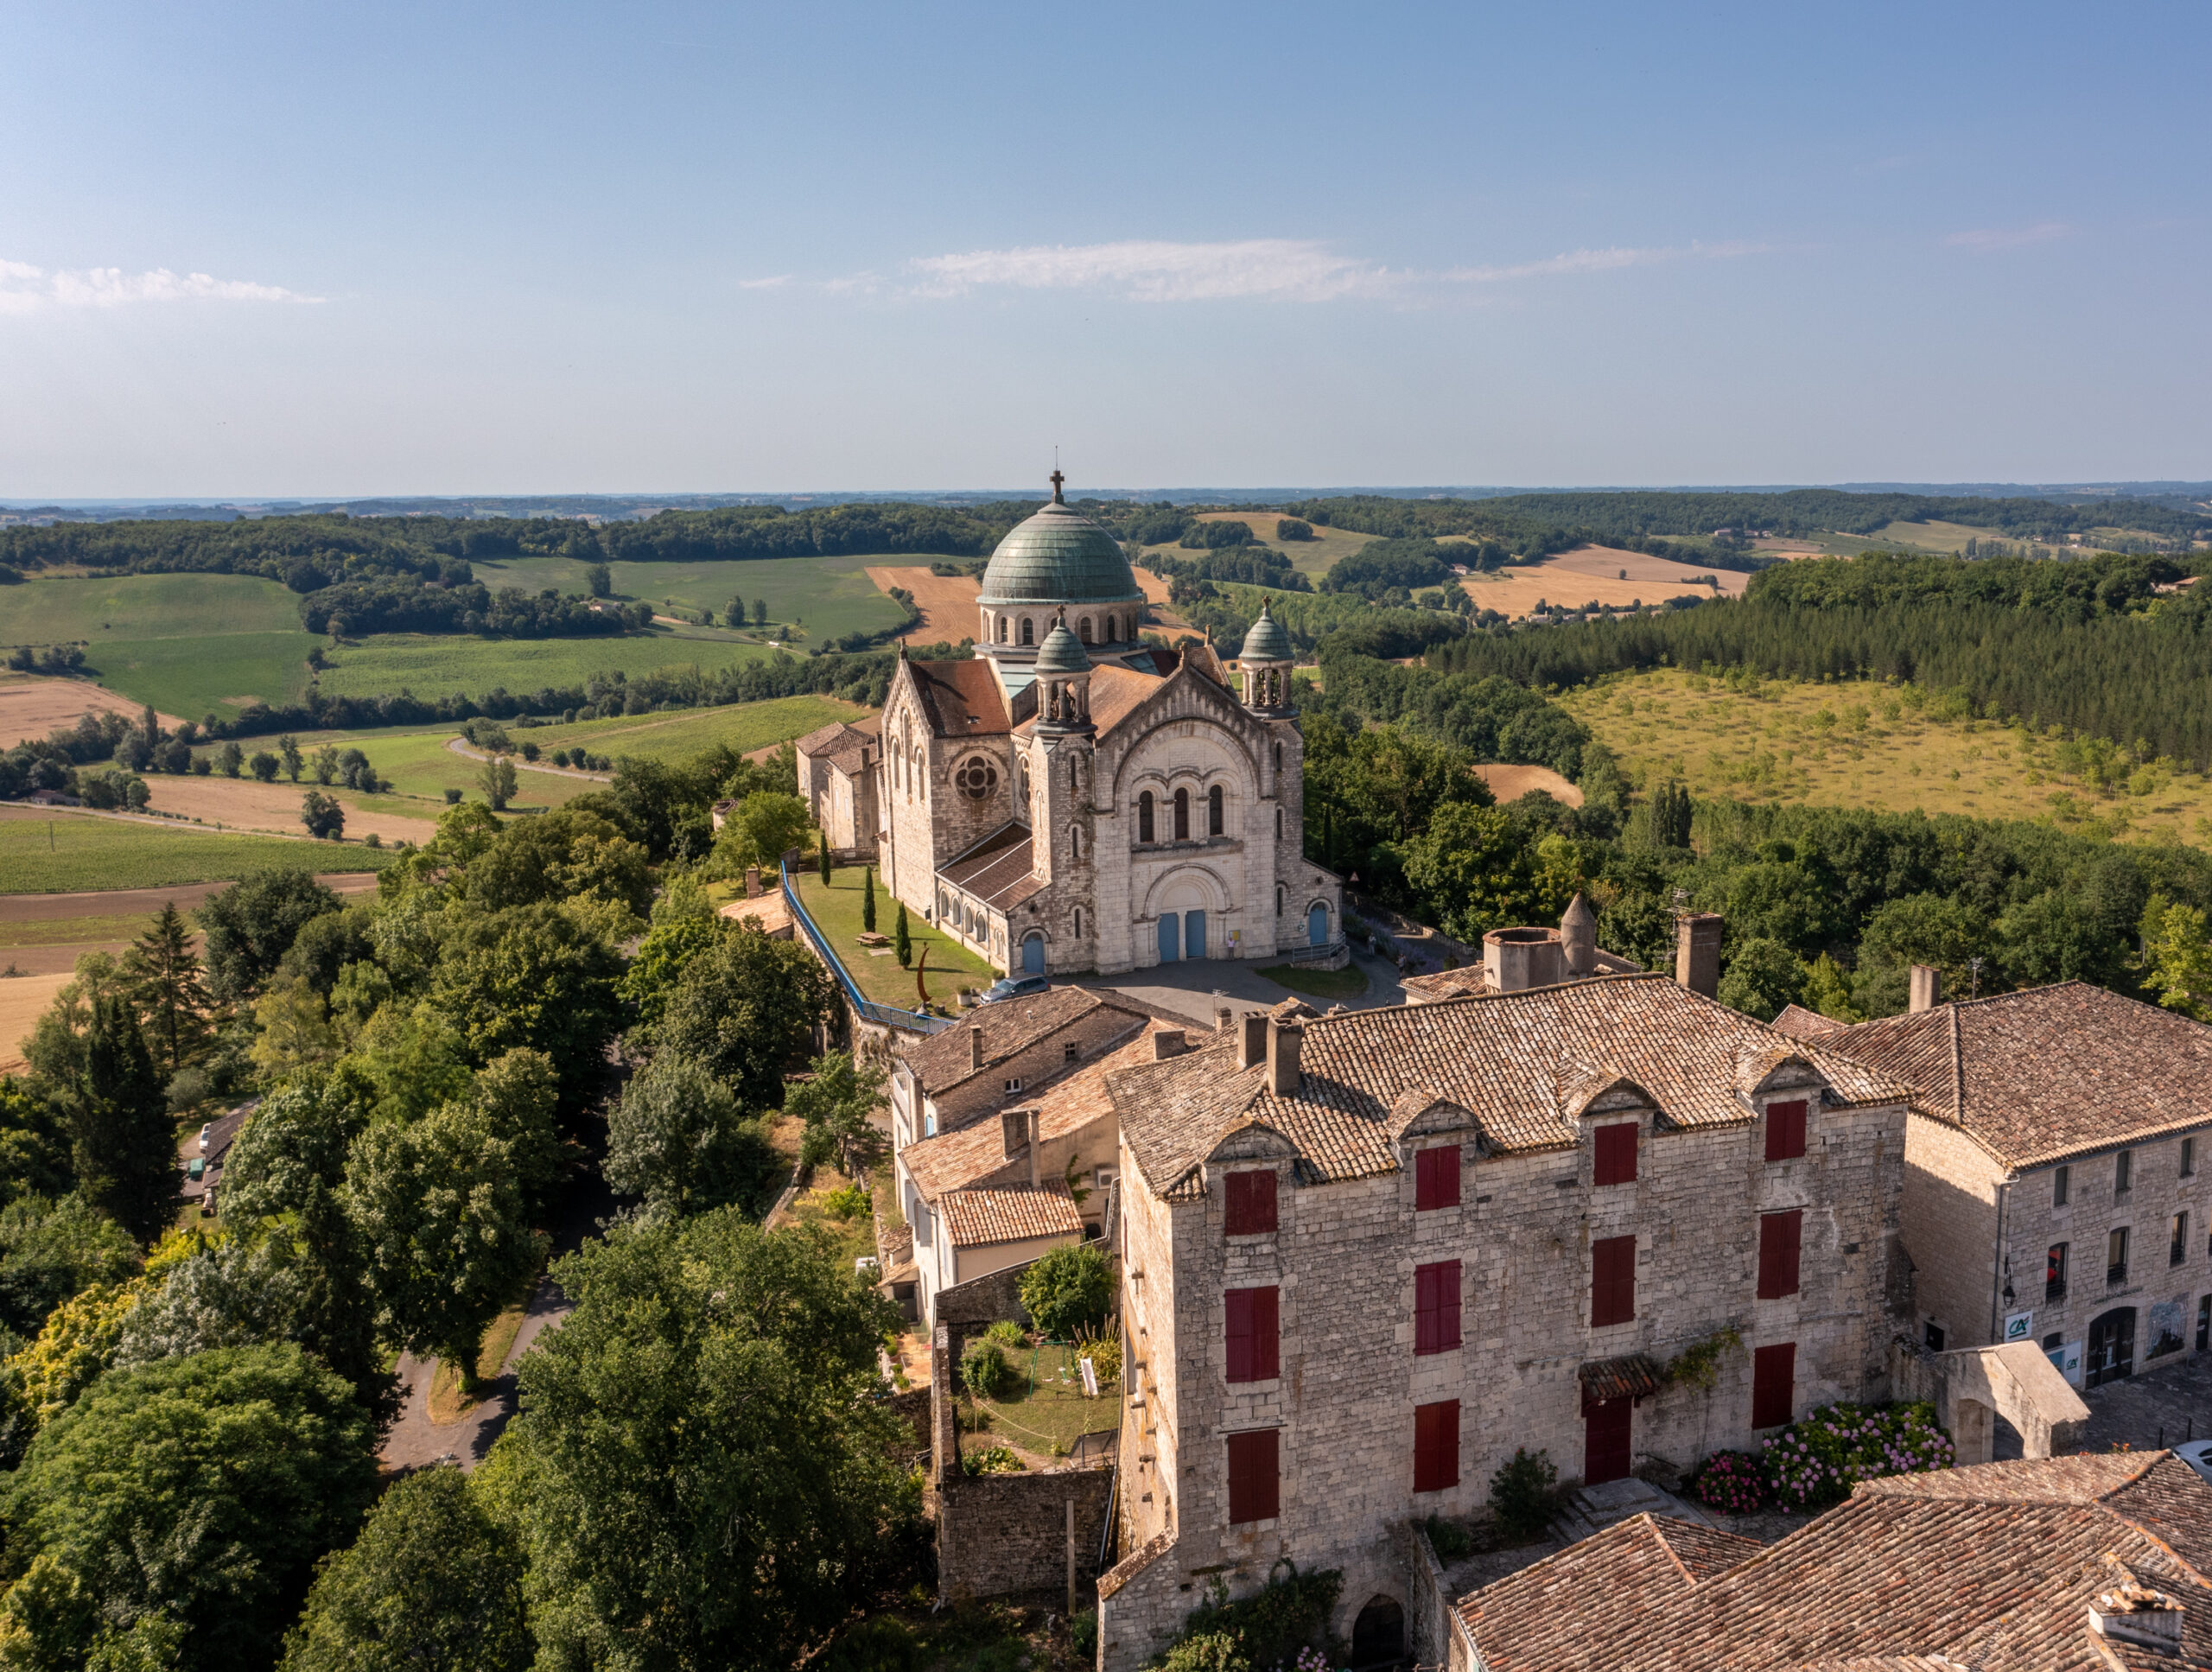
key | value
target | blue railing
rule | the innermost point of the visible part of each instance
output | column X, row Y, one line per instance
column 884, row 1016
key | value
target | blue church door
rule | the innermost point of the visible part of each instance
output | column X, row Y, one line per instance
column 1170, row 925
column 1317, row 927
column 1194, row 934
column 1032, row 956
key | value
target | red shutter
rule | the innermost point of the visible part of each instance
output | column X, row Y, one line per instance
column 1254, row 1333
column 1616, row 1157
column 1773, row 1385
column 1253, row 1493
column 1780, row 1236
column 1436, row 1178
column 1436, row 1446
column 1436, row 1306
column 1785, row 1131
column 1613, row 1280
column 1251, row 1203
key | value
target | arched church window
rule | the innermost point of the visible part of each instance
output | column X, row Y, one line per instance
column 1278, row 899
column 1028, row 631
column 976, row 778
column 1083, row 629
column 1182, row 814
column 1144, row 816
column 1213, row 811
column 1002, row 629
column 1109, row 630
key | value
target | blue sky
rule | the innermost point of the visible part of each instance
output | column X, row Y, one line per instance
column 322, row 250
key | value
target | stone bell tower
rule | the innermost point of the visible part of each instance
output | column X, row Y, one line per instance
column 1265, row 663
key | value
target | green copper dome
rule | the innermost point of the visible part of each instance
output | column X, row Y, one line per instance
column 1062, row 651
column 1060, row 557
column 1266, row 642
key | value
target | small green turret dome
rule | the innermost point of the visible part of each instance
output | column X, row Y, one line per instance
column 1060, row 557
column 1061, row 652
column 1266, row 642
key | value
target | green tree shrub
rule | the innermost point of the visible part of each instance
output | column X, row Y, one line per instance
column 1069, row 1289
column 1524, row 1495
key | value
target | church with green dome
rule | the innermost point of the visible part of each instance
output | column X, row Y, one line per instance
column 1074, row 800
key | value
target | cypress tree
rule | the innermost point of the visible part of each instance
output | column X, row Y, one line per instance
column 901, row 942
column 121, row 1143
column 822, row 849
column 867, row 899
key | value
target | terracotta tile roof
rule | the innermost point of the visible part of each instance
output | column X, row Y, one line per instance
column 972, row 1154
column 2054, row 1071
column 1799, row 1023
column 1992, row 1568
column 1520, row 1064
column 941, row 1060
column 1115, row 694
column 977, row 1218
column 961, row 699
column 851, row 756
column 825, row 739
column 999, row 870
column 1630, row 1377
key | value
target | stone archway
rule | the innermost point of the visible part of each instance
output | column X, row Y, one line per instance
column 1378, row 1635
column 1197, row 900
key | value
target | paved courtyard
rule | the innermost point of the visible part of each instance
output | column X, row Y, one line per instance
column 2163, row 1405
column 1194, row 987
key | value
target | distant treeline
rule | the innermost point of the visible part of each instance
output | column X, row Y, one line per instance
column 403, row 604
column 2085, row 644
column 1616, row 518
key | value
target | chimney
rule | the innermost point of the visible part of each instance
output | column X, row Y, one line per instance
column 1282, row 1057
column 1255, row 1048
column 1927, row 987
column 1169, row 1042
column 752, row 883
column 2133, row 1613
column 1034, row 1122
column 1224, row 1018
column 975, row 1047
column 1515, row 960
column 1013, row 1130
column 1697, row 951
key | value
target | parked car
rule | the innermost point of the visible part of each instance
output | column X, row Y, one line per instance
column 206, row 1132
column 1015, row 987
column 198, row 1170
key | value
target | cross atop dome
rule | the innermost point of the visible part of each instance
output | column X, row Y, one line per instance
column 1057, row 479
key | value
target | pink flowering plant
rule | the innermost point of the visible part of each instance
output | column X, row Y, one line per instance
column 1815, row 1463
column 1734, row 1482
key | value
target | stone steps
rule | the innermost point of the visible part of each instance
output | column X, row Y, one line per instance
column 1589, row 1509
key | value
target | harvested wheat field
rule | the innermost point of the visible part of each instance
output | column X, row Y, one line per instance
column 31, row 706
column 1591, row 575
column 244, row 804
column 23, row 999
column 947, row 602
column 1511, row 783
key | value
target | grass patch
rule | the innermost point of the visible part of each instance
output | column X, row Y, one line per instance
column 448, row 1402
column 49, row 611
column 827, row 597
column 71, row 853
column 836, row 912
column 438, row 664
column 1047, row 1411
column 193, row 678
column 1861, row 744
column 679, row 734
column 1349, row 982
column 824, row 1204
column 70, row 931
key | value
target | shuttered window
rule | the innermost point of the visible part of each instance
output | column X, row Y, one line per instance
column 1253, row 1472
column 1616, row 1155
column 1436, row 1446
column 1436, row 1178
column 1613, row 1280
column 1436, row 1306
column 1780, row 1237
column 1773, row 1385
column 1251, row 1203
column 1254, row 1332
column 1785, row 1131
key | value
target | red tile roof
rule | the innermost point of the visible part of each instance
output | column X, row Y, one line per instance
column 1994, row 1567
column 942, row 1060
column 1800, row 1023
column 2053, row 1072
column 980, row 1218
column 961, row 699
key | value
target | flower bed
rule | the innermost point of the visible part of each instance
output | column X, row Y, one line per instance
column 1816, row 1462
column 1733, row 1482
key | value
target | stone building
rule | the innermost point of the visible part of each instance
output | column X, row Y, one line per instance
column 1514, row 959
column 1367, row 1256
column 2095, row 1563
column 2056, row 1170
column 836, row 778
column 1075, row 799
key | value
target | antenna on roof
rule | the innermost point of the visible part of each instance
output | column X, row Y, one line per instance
column 1973, row 971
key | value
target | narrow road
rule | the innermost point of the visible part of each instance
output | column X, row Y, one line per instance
column 459, row 745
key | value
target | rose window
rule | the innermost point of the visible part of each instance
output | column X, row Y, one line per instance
column 976, row 779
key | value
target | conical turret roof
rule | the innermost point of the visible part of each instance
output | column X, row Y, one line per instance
column 1266, row 642
column 1062, row 651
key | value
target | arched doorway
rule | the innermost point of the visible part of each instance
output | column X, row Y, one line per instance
column 1379, row 1635
column 1317, row 925
column 1033, row 955
column 2112, row 1347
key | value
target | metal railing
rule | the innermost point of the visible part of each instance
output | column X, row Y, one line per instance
column 884, row 1016
column 1315, row 954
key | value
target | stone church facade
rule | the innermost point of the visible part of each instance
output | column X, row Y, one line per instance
column 1072, row 799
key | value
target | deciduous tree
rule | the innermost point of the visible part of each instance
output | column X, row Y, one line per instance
column 250, row 925
column 743, row 1010
column 677, row 1138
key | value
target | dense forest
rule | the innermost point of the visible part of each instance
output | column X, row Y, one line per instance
column 406, row 605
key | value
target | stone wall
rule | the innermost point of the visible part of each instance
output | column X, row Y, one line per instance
column 1948, row 1221
column 1429, row 1622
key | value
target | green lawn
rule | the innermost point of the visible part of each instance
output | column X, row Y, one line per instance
column 829, row 597
column 72, row 852
column 836, row 912
column 1046, row 1410
column 681, row 734
column 192, row 678
column 433, row 666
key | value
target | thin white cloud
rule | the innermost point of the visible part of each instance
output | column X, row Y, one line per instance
column 776, row 282
column 1273, row 270
column 25, row 289
column 2009, row 237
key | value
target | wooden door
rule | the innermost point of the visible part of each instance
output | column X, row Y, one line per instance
column 1605, row 1441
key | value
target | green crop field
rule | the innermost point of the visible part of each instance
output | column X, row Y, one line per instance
column 72, row 852
column 191, row 645
column 679, row 736
column 1886, row 748
column 827, row 597
column 433, row 665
